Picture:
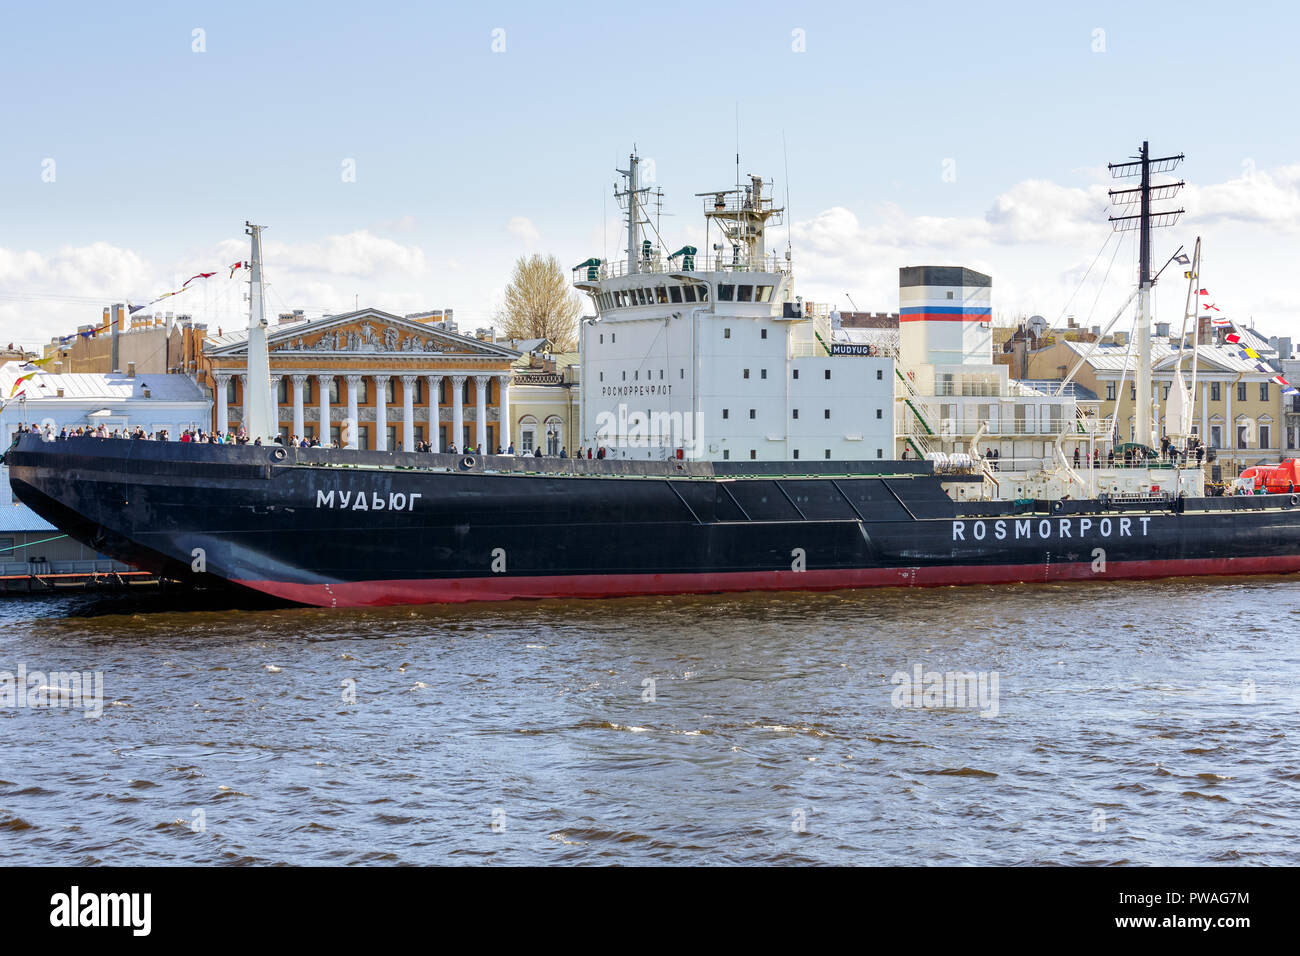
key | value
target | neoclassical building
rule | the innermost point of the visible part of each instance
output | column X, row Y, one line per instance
column 371, row 380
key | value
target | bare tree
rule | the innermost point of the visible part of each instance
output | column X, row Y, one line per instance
column 540, row 303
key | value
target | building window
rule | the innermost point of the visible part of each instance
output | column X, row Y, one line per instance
column 282, row 394
column 751, row 413
column 796, row 413
column 828, row 453
column 950, row 295
column 827, row 413
column 1132, row 393
column 1242, row 432
column 796, row 453
column 746, row 373
column 1241, row 392
column 1216, row 392
column 1216, row 436
column 230, row 391
column 880, row 375
column 762, row 373
column 762, row 333
column 613, row 337
column 1265, row 436
column 394, row 440
column 880, row 413
column 1263, row 391
column 1165, row 397
column 726, row 333
column 390, row 393
column 828, row 374
column 753, row 454
column 796, row 373
column 880, row 453
column 602, row 376
column 1110, row 391
column 336, row 390
column 726, row 454
column 726, row 413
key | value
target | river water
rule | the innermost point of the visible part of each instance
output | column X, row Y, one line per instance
column 1142, row 723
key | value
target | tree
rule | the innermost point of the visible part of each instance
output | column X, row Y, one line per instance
column 540, row 303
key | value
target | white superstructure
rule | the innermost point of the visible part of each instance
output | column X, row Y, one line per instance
column 714, row 358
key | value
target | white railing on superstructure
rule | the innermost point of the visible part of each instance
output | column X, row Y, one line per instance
column 658, row 265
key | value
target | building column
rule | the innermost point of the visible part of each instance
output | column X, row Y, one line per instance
column 298, row 382
column 381, row 412
column 354, row 382
column 223, row 412
column 323, row 397
column 480, row 412
column 457, row 411
column 408, row 413
column 1205, row 414
column 243, row 393
column 503, row 406
column 434, row 384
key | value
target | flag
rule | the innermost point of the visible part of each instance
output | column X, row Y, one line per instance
column 1251, row 352
column 133, row 309
column 1219, row 323
column 1281, row 381
column 37, row 363
column 201, row 275
column 236, row 267
column 1211, row 305
column 1232, row 338
column 1291, row 390
column 1203, row 292
column 1187, row 274
column 1181, row 259
column 19, row 381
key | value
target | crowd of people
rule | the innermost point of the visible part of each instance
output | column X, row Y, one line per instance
column 240, row 437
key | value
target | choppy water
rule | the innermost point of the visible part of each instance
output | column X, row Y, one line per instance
column 1136, row 723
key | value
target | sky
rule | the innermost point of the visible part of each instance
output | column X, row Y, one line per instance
column 403, row 155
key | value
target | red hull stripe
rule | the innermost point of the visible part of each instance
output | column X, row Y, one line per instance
column 503, row 588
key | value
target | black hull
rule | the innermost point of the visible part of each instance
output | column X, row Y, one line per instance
column 341, row 528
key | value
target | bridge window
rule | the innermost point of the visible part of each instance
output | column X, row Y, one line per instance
column 763, row 293
column 745, row 293
column 689, row 293
column 661, row 295
column 726, row 293
column 675, row 293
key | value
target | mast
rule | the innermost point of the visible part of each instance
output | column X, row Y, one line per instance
column 1143, row 376
column 1144, row 221
column 259, row 418
column 633, row 196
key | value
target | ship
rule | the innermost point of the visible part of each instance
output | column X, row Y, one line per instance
column 338, row 527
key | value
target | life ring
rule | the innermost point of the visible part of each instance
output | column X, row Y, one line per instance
column 467, row 463
column 1058, row 507
column 278, row 454
column 1295, row 500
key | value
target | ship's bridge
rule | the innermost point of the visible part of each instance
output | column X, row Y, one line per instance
column 749, row 286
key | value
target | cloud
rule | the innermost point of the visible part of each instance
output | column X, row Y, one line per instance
column 361, row 254
column 1257, row 197
column 523, row 228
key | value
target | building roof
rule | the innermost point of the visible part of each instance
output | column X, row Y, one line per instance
column 22, row 518
column 1117, row 358
column 92, row 386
